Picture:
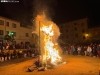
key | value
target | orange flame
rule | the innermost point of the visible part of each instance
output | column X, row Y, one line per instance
column 49, row 33
column 50, row 51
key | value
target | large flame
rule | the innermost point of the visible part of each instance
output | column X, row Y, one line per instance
column 49, row 33
column 50, row 51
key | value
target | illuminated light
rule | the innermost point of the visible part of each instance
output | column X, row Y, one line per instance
column 86, row 34
column 12, row 33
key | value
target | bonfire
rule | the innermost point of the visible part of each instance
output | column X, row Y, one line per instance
column 48, row 45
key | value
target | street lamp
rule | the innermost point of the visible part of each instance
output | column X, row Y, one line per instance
column 86, row 34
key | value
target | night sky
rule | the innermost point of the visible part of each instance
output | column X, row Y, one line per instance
column 60, row 11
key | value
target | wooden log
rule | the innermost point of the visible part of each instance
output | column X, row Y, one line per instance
column 31, row 68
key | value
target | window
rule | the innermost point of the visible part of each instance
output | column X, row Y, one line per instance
column 75, row 28
column 1, row 32
column 7, row 32
column 76, row 35
column 66, row 30
column 27, row 35
column 1, row 22
column 83, row 31
column 7, row 24
column 13, row 25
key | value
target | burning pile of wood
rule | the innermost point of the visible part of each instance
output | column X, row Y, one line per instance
column 38, row 65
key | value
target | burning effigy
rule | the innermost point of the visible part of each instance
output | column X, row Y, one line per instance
column 48, row 33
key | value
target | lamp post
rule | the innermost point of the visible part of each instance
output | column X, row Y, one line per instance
column 39, row 39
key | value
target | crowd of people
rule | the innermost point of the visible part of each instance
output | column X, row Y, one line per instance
column 9, row 52
column 8, row 46
column 92, row 50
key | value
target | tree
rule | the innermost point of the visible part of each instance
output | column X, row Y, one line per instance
column 9, row 38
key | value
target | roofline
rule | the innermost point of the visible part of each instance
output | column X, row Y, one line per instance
column 75, row 20
column 79, row 19
column 9, row 19
column 94, row 26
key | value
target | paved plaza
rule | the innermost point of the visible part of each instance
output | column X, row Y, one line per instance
column 75, row 65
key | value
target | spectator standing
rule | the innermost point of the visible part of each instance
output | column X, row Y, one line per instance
column 7, row 46
column 98, row 50
column 94, row 51
column 89, row 51
column 85, row 50
column 0, row 56
column 73, row 50
column 79, row 50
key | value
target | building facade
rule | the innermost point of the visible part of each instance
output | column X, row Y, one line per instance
column 94, row 34
column 74, row 31
column 12, row 27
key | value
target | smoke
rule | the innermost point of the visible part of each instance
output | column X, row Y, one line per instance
column 46, row 6
column 42, row 7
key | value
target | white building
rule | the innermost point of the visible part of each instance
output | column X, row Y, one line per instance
column 12, row 27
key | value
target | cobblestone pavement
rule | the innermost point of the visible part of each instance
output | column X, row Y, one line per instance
column 14, row 61
column 75, row 65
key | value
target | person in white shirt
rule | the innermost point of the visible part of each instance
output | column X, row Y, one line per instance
column 89, row 51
